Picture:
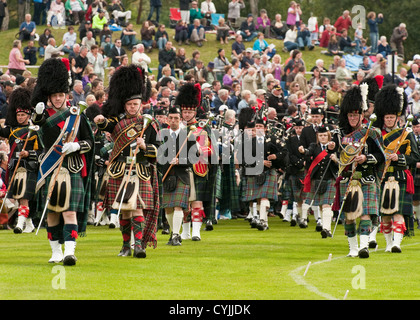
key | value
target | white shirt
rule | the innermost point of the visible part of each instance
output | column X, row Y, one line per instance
column 141, row 59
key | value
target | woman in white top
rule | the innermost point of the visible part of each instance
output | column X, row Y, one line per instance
column 290, row 40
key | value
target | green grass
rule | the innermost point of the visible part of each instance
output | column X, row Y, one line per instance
column 232, row 262
column 208, row 51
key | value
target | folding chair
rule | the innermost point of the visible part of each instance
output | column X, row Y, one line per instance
column 174, row 17
column 215, row 18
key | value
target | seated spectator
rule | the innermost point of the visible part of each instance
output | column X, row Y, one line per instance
column 76, row 10
column 365, row 65
column 248, row 30
column 223, row 98
column 276, row 67
column 209, row 73
column 359, row 77
column 333, row 47
column 262, row 46
column 70, row 39
column 304, row 38
column 89, row 40
column 336, row 62
column 237, row 70
column 346, row 44
column 105, row 32
column 383, row 47
column 195, row 57
column 29, row 53
column 290, row 40
column 343, row 73
column 77, row 93
column 85, row 28
column 198, row 72
column 52, row 50
column 238, row 48
column 227, row 78
column 325, row 36
column 245, row 100
column 378, row 68
column 167, row 58
column 99, row 21
column 128, row 37
column 221, row 61
column 81, row 61
column 222, row 33
column 181, row 61
column 95, row 7
column 121, row 15
column 263, row 24
column 27, row 29
column 43, row 41
column 161, row 37
column 334, row 94
column 181, row 33
column 147, row 33
column 140, row 58
column 196, row 33
column 315, row 80
column 58, row 11
column 97, row 61
column 278, row 27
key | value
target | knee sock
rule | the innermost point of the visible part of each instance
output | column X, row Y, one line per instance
column 138, row 225
column 55, row 233
column 350, row 230
column 125, row 227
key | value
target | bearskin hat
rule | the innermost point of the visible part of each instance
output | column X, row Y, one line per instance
column 353, row 101
column 127, row 83
column 19, row 101
column 189, row 97
column 245, row 117
column 375, row 84
column 391, row 99
column 54, row 76
column 92, row 111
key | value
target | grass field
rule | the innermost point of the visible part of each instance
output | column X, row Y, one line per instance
column 232, row 262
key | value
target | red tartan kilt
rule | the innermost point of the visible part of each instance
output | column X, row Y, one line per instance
column 146, row 193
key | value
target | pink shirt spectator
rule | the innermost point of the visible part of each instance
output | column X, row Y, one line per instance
column 14, row 61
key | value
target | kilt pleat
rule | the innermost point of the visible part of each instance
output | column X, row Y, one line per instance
column 320, row 199
column 252, row 191
column 177, row 198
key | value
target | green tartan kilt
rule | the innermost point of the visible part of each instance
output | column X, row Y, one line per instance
column 177, row 198
column 77, row 192
column 31, row 178
column 293, row 188
column 405, row 200
column 370, row 198
column 252, row 191
column 230, row 197
column 320, row 199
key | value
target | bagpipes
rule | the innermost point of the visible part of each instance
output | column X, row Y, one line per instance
column 353, row 195
column 127, row 193
column 391, row 192
column 201, row 125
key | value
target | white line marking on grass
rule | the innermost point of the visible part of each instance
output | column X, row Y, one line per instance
column 299, row 279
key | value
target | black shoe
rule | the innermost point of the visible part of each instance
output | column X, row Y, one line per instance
column 293, row 222
column 139, row 252
column 373, row 244
column 209, row 226
column 69, row 260
column 196, row 238
column 262, row 226
column 325, row 233
column 125, row 252
column 318, row 226
column 17, row 230
column 364, row 253
column 396, row 249
column 254, row 223
column 176, row 240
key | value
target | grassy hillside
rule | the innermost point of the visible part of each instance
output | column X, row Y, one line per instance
column 208, row 51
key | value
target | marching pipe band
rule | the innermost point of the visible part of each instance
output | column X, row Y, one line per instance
column 246, row 165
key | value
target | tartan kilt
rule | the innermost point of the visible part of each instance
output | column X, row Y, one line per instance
column 252, row 191
column 31, row 179
column 177, row 198
column 230, row 192
column 370, row 198
column 320, row 199
column 294, row 188
column 405, row 200
column 77, row 192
